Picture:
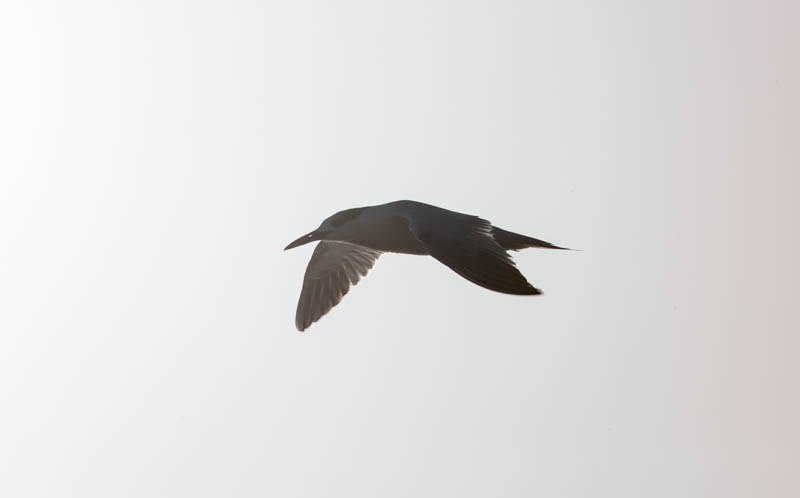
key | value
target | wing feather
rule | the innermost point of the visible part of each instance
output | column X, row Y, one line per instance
column 333, row 268
column 466, row 245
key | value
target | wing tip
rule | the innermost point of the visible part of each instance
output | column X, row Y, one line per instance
column 534, row 291
column 527, row 290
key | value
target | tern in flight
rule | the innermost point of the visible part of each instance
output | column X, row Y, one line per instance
column 351, row 241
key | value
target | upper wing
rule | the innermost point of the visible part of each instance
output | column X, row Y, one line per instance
column 334, row 266
column 466, row 245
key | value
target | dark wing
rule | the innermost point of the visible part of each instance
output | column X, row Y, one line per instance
column 466, row 245
column 333, row 268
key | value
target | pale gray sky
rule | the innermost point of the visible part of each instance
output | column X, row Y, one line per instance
column 157, row 156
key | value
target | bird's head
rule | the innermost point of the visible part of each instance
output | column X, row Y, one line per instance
column 333, row 228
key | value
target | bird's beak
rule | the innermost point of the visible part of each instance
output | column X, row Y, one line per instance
column 305, row 239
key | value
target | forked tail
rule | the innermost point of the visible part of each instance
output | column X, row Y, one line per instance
column 514, row 241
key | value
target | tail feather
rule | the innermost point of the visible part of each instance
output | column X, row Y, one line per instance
column 515, row 242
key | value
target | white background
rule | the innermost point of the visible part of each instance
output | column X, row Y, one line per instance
column 157, row 156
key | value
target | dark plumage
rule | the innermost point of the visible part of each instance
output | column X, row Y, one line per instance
column 352, row 240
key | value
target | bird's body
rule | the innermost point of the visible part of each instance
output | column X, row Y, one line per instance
column 353, row 239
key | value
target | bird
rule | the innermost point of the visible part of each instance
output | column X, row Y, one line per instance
column 352, row 240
